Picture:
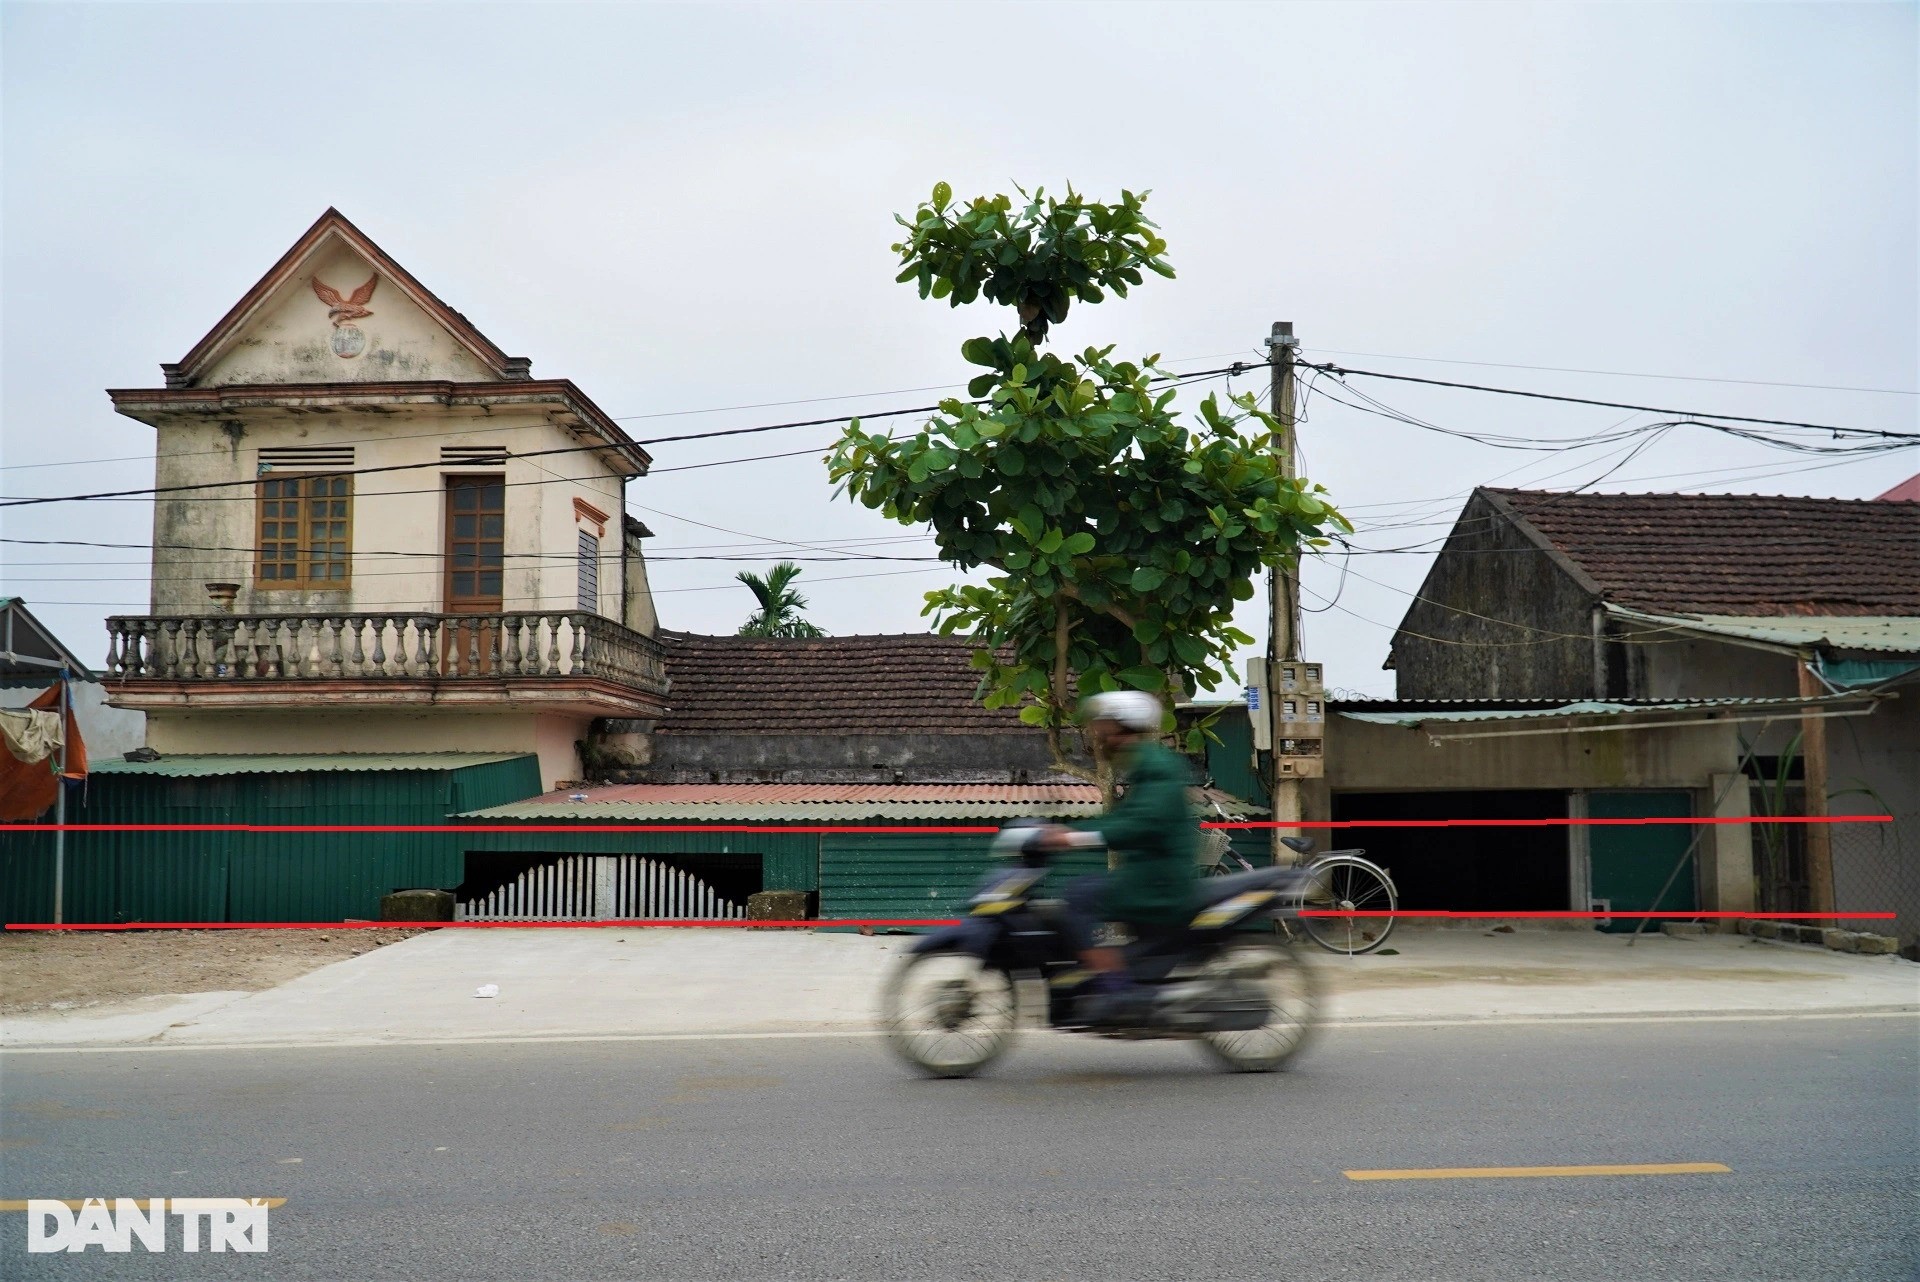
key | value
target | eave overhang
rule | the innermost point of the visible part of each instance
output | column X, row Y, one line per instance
column 567, row 406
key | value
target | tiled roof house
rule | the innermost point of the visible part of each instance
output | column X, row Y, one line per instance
column 892, row 709
column 1608, row 596
column 846, row 729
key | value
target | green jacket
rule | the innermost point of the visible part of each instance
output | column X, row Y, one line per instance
column 1153, row 832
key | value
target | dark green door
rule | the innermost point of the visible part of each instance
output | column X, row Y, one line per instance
column 1630, row 862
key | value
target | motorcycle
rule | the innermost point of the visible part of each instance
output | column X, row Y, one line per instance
column 1225, row 979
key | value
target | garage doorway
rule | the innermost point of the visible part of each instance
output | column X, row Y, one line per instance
column 1630, row 865
column 1517, row 869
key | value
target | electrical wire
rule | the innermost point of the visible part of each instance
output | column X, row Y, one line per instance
column 1617, row 373
column 154, row 491
column 516, row 427
column 429, row 570
column 380, row 554
column 368, row 607
column 1342, row 373
column 1340, row 589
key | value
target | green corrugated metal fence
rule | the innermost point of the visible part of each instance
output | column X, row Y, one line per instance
column 912, row 875
column 26, row 876
column 253, row 876
column 293, row 876
column 1230, row 761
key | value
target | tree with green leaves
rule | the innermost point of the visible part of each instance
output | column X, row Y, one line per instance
column 1122, row 536
column 780, row 605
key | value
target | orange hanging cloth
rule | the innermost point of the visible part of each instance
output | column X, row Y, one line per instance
column 28, row 789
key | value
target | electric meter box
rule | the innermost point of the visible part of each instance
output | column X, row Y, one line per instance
column 1299, row 698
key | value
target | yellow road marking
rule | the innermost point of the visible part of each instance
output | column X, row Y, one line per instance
column 1521, row 1172
column 142, row 1203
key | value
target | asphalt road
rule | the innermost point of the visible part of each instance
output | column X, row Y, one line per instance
column 1074, row 1158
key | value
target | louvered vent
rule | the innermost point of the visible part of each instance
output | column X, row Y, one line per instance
column 473, row 455
column 307, row 456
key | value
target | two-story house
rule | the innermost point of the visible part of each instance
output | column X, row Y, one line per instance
column 374, row 531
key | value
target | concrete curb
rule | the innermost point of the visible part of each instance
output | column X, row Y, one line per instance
column 1840, row 941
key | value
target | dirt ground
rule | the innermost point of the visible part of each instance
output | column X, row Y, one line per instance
column 50, row 970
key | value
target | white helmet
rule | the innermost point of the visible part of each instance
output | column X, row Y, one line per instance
column 1134, row 709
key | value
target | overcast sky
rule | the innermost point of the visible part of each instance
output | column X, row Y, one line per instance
column 688, row 208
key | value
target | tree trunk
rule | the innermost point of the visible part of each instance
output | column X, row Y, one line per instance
column 1103, row 775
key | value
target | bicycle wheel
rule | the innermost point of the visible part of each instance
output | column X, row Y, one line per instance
column 1350, row 886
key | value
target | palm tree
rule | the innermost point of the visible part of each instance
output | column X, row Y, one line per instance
column 780, row 605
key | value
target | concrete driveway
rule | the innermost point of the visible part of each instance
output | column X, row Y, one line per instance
column 623, row 983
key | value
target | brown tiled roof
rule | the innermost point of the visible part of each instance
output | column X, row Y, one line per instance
column 1736, row 553
column 882, row 685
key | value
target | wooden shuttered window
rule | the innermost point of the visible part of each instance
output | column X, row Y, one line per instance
column 589, row 595
column 305, row 531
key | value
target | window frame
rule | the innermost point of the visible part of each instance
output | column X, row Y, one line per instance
column 302, row 542
column 478, row 603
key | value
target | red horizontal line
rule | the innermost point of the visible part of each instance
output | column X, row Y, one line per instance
column 1688, row 914
column 925, row 828
column 702, row 923
column 1550, row 823
column 816, row 923
column 391, row 828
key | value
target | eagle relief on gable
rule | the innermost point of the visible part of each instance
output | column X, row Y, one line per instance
column 349, row 340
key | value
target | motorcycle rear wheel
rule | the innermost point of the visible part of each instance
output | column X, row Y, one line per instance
column 949, row 1014
column 1292, row 990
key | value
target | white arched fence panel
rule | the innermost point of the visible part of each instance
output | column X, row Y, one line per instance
column 599, row 888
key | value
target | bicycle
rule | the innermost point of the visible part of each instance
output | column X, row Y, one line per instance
column 1343, row 880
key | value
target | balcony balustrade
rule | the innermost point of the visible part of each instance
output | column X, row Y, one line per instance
column 397, row 647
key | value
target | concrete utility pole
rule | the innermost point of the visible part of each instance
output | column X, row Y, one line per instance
column 1284, row 591
column 1813, row 756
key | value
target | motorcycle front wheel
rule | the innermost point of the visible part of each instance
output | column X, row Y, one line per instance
column 1292, row 991
column 949, row 1014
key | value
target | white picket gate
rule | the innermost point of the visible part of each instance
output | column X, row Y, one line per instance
column 600, row 887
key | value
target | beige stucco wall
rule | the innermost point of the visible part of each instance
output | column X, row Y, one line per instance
column 1363, row 756
column 638, row 609
column 551, row 736
column 396, row 515
column 291, row 338
column 1701, row 759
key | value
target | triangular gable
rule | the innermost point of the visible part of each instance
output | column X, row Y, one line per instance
column 336, row 309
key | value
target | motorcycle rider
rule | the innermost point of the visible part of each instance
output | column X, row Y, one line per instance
column 1152, row 831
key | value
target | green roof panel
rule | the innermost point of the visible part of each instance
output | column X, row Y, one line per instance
column 1893, row 633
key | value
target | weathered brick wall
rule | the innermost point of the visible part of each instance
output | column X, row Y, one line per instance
column 1497, row 619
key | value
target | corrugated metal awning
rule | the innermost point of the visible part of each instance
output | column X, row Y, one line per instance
column 1596, row 715
column 790, row 812
column 210, row 765
column 1897, row 634
column 29, row 650
column 1576, row 708
column 1848, row 674
column 819, row 803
